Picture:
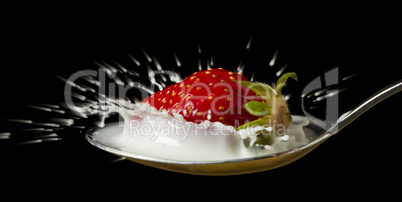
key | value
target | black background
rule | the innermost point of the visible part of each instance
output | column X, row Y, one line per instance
column 360, row 160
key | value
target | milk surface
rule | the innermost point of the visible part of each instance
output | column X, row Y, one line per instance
column 155, row 134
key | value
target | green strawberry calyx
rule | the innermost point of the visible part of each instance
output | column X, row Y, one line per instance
column 273, row 110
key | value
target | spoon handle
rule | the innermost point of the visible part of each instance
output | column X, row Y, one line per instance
column 378, row 97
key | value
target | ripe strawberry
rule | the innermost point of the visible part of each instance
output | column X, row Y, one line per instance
column 224, row 96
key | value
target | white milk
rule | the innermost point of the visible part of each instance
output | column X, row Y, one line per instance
column 156, row 134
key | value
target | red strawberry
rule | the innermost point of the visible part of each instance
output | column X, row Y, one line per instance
column 224, row 96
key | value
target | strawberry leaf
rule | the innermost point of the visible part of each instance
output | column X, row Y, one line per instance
column 281, row 81
column 263, row 121
column 264, row 139
column 286, row 118
column 261, row 89
column 257, row 108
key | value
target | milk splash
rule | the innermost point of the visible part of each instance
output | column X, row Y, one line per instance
column 101, row 92
column 149, row 132
column 156, row 134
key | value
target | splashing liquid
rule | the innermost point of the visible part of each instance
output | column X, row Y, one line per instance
column 151, row 133
column 115, row 88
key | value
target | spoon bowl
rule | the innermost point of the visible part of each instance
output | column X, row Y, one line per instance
column 316, row 132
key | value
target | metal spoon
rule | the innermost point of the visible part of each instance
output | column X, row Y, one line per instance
column 315, row 133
